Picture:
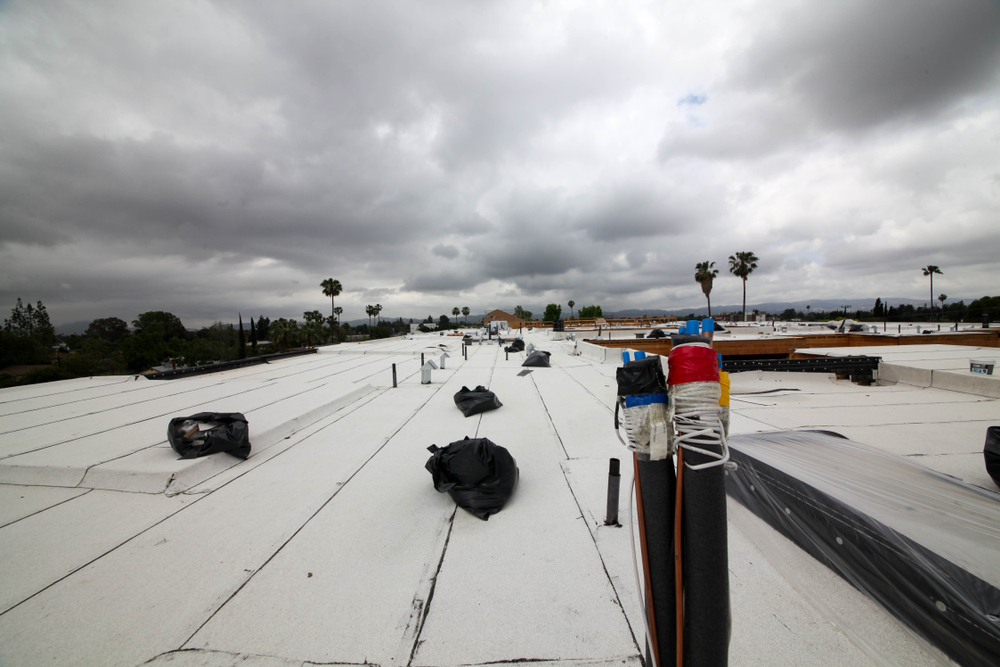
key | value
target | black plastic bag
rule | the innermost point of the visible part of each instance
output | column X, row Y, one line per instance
column 479, row 475
column 209, row 433
column 473, row 401
column 656, row 333
column 516, row 345
column 682, row 339
column 538, row 358
column 642, row 376
column 991, row 452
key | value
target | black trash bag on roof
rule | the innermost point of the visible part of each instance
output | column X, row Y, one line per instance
column 516, row 345
column 539, row 358
column 642, row 376
column 209, row 433
column 656, row 333
column 479, row 475
column 991, row 452
column 473, row 401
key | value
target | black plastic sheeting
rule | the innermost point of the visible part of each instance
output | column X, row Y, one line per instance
column 991, row 452
column 656, row 333
column 641, row 376
column 231, row 436
column 478, row 474
column 516, row 345
column 920, row 582
column 539, row 358
column 681, row 339
column 473, row 401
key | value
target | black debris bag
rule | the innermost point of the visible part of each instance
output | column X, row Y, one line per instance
column 479, row 475
column 516, row 345
column 473, row 401
column 991, row 452
column 209, row 433
column 682, row 339
column 656, row 333
column 642, row 376
column 539, row 358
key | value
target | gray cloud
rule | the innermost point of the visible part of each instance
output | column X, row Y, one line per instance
column 226, row 157
column 857, row 64
column 446, row 251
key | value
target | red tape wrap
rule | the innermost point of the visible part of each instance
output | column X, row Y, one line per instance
column 692, row 363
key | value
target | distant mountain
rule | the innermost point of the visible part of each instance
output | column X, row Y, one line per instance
column 831, row 306
column 71, row 328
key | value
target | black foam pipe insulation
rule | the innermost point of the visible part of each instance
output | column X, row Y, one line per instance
column 657, row 483
column 705, row 562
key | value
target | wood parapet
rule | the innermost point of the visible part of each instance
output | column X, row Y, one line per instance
column 786, row 345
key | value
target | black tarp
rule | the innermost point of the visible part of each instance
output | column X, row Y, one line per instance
column 642, row 376
column 231, row 435
column 516, row 345
column 945, row 603
column 473, row 401
column 656, row 333
column 539, row 358
column 991, row 452
column 478, row 474
column 681, row 339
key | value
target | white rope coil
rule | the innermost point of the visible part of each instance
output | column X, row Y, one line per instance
column 697, row 420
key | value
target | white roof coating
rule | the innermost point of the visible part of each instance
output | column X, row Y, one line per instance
column 330, row 544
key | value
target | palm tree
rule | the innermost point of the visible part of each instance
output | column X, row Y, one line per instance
column 466, row 311
column 281, row 329
column 742, row 265
column 455, row 311
column 369, row 311
column 930, row 270
column 705, row 274
column 942, row 298
column 571, row 303
column 377, row 309
column 337, row 312
column 331, row 288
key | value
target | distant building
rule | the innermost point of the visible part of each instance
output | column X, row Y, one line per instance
column 501, row 316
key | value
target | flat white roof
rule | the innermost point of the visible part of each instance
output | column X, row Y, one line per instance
column 330, row 544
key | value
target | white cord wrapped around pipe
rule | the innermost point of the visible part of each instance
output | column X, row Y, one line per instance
column 697, row 420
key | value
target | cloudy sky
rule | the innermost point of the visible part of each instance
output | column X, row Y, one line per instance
column 210, row 157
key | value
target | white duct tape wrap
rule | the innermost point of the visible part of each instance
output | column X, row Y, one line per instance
column 647, row 426
column 698, row 421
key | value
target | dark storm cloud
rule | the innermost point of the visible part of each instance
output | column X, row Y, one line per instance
column 625, row 211
column 846, row 67
column 221, row 156
column 446, row 251
column 440, row 280
column 856, row 64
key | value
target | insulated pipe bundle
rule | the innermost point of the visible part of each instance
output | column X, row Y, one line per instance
column 655, row 487
column 695, row 392
column 682, row 514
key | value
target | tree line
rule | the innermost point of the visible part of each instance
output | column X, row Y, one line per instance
column 109, row 346
column 742, row 264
